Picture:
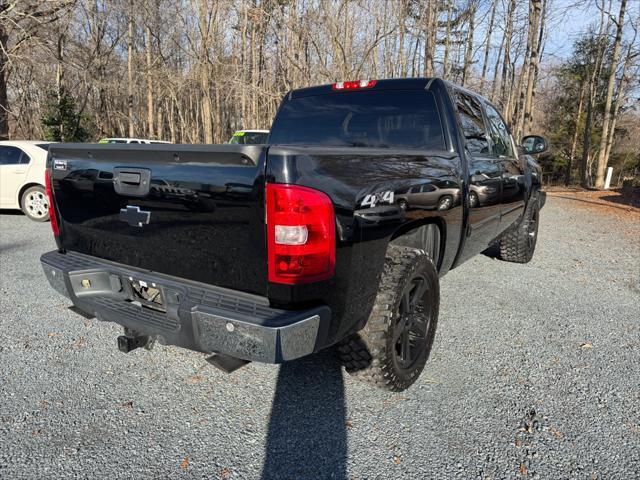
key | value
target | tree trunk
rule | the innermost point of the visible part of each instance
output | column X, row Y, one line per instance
column 504, row 92
column 487, row 47
column 574, row 140
column 206, row 108
column 539, row 7
column 447, row 41
column 618, row 100
column 494, row 79
column 430, row 37
column 130, row 72
column 468, row 53
column 150, row 118
column 586, row 145
column 525, row 81
column 59, row 81
column 4, row 70
column 607, row 120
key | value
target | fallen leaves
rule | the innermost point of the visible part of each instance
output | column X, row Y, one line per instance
column 396, row 460
column 185, row 463
column 127, row 405
column 194, row 379
column 587, row 345
column 556, row 433
column 225, row 473
column 53, row 334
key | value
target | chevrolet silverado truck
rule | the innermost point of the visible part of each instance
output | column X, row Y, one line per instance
column 335, row 233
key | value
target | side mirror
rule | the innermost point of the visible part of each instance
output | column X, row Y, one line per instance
column 534, row 144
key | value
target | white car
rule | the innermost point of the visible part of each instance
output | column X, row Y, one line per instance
column 22, row 166
column 130, row 140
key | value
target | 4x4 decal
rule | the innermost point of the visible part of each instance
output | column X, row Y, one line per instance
column 372, row 200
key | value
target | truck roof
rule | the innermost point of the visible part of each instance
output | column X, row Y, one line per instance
column 418, row 83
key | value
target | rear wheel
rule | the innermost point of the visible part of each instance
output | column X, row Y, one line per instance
column 445, row 203
column 519, row 243
column 392, row 349
column 473, row 199
column 35, row 204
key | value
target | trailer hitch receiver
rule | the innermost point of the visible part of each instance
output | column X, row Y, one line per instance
column 126, row 343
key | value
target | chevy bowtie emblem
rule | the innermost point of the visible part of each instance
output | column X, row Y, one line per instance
column 134, row 216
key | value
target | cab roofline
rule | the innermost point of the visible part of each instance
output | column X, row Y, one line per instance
column 386, row 84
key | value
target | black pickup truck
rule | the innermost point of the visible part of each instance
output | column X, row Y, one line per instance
column 334, row 233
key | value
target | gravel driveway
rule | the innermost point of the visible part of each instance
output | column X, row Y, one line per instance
column 535, row 373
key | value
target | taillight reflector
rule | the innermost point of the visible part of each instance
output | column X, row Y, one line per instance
column 354, row 84
column 52, row 211
column 301, row 236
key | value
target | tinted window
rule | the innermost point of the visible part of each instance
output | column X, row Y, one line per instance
column 43, row 146
column 470, row 113
column 381, row 119
column 11, row 156
column 499, row 134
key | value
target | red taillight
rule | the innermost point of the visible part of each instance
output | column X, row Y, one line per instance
column 354, row 84
column 301, row 234
column 52, row 211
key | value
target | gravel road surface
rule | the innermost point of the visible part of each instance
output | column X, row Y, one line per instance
column 535, row 373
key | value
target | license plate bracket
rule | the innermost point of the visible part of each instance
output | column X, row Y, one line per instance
column 148, row 294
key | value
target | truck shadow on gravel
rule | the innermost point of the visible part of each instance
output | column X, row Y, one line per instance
column 307, row 435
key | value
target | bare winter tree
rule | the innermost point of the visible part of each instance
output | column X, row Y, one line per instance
column 21, row 26
column 195, row 70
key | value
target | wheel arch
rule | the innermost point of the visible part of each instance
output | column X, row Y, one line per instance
column 414, row 234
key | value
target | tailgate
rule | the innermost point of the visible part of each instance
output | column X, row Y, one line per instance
column 192, row 211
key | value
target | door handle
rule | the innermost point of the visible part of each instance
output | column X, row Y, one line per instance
column 129, row 177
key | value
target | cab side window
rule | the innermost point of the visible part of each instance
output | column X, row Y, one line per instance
column 500, row 136
column 472, row 123
column 12, row 156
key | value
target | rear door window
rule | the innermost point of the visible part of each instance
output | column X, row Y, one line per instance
column 500, row 135
column 11, row 155
column 472, row 123
column 377, row 119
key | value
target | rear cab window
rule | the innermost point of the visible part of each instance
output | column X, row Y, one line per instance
column 373, row 118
